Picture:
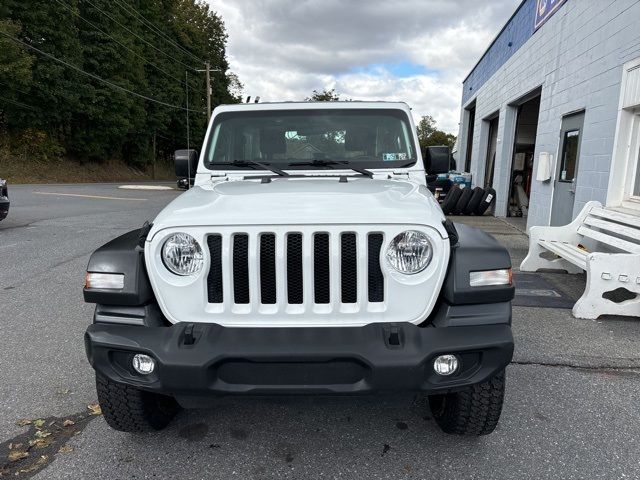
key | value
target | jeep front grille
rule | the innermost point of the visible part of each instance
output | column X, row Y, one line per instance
column 319, row 268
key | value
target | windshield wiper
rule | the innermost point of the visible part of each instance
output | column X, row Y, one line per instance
column 249, row 163
column 330, row 163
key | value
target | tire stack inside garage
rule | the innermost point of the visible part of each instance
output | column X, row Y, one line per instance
column 467, row 201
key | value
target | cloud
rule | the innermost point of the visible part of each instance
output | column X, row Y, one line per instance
column 417, row 51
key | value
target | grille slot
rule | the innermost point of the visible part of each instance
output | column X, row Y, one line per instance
column 349, row 268
column 321, row 269
column 294, row 269
column 376, row 279
column 214, row 279
column 241, row 268
column 268, row 268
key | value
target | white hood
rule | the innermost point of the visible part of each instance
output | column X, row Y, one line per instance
column 303, row 201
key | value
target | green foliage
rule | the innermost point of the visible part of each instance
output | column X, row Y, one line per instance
column 441, row 138
column 139, row 46
column 34, row 145
column 324, row 96
column 15, row 63
column 430, row 136
column 426, row 126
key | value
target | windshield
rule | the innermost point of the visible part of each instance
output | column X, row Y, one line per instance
column 311, row 139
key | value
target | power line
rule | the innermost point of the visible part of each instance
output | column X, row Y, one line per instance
column 142, row 19
column 15, row 88
column 68, row 7
column 139, row 37
column 18, row 104
column 96, row 77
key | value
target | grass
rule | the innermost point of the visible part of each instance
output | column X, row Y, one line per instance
column 70, row 171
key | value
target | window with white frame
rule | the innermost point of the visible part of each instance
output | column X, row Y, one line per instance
column 632, row 190
column 624, row 178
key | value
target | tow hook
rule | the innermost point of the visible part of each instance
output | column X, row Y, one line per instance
column 189, row 338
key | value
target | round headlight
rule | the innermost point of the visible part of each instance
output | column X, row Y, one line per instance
column 410, row 252
column 182, row 255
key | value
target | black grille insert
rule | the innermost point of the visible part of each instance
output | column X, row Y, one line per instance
column 268, row 268
column 214, row 279
column 349, row 268
column 241, row 268
column 321, row 275
column 294, row 268
column 376, row 279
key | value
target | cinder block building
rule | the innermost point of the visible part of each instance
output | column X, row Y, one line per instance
column 550, row 114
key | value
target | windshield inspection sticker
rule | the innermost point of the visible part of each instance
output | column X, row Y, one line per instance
column 390, row 157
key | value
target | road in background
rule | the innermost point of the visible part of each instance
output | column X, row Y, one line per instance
column 568, row 413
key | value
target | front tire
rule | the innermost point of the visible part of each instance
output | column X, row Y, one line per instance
column 130, row 409
column 473, row 411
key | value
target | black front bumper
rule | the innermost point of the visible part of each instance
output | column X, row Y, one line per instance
column 348, row 360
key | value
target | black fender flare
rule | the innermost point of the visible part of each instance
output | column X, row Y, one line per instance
column 125, row 255
column 475, row 251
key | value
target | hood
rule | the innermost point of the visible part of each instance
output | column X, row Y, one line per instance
column 303, row 201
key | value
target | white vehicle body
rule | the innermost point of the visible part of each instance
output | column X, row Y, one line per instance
column 226, row 203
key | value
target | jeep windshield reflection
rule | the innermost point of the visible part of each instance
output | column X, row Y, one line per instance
column 311, row 139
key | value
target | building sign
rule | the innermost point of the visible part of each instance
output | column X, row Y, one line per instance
column 545, row 9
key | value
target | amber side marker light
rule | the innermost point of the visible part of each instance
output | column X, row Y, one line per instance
column 104, row 281
column 486, row 278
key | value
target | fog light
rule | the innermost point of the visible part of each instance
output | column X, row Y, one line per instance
column 143, row 364
column 445, row 364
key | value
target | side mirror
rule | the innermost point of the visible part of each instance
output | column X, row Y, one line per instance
column 437, row 159
column 186, row 163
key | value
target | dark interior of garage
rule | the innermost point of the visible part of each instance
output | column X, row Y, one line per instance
column 523, row 157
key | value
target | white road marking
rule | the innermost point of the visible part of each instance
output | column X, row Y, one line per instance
column 146, row 187
column 98, row 197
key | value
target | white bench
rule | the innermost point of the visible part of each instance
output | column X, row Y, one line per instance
column 612, row 262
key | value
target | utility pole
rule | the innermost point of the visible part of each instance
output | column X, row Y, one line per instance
column 154, row 155
column 208, row 65
column 186, row 89
column 208, row 71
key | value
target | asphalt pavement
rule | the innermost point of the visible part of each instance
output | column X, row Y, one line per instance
column 572, row 408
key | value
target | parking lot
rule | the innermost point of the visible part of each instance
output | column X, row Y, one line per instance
column 572, row 408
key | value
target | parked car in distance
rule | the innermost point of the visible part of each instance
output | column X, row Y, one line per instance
column 4, row 199
column 309, row 258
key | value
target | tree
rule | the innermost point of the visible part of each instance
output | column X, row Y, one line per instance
column 426, row 126
column 441, row 138
column 109, row 76
column 324, row 96
column 429, row 135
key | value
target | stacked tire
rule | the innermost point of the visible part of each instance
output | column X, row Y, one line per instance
column 467, row 201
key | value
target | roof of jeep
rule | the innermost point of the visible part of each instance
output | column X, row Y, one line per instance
column 311, row 104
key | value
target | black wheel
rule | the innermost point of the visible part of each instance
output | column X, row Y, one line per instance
column 487, row 200
column 463, row 201
column 474, row 201
column 130, row 409
column 450, row 201
column 473, row 411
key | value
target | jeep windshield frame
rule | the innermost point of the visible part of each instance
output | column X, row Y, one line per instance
column 311, row 139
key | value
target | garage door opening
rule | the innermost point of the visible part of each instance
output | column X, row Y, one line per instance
column 471, row 118
column 523, row 155
column 492, row 145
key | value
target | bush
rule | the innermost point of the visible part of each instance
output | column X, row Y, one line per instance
column 32, row 145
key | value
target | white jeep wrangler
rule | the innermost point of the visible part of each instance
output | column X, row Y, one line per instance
column 308, row 258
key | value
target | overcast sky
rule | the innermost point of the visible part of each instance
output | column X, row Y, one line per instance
column 418, row 51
